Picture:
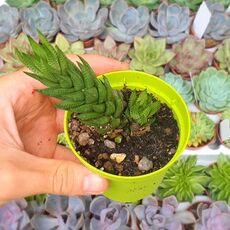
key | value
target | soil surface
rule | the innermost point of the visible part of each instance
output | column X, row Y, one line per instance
column 158, row 145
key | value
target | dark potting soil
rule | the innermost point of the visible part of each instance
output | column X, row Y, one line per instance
column 158, row 145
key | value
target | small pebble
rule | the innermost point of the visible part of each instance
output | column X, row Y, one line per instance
column 91, row 141
column 119, row 167
column 136, row 159
column 110, row 144
column 108, row 166
column 103, row 156
column 83, row 139
column 118, row 139
column 145, row 164
column 168, row 131
column 118, row 157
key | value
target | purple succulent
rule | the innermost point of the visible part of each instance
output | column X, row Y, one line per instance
column 109, row 215
column 214, row 217
column 14, row 217
column 61, row 212
column 153, row 216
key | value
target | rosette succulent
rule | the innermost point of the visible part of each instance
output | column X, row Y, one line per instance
column 153, row 216
column 127, row 22
column 60, row 212
column 222, row 55
column 182, row 87
column 219, row 174
column 149, row 55
column 191, row 4
column 41, row 16
column 225, row 114
column 9, row 23
column 170, row 22
column 184, row 180
column 82, row 21
column 211, row 89
column 191, row 57
column 225, row 3
column 108, row 215
column 106, row 2
column 151, row 4
column 21, row 3
column 202, row 129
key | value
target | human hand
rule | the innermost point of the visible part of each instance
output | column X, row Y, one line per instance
column 29, row 125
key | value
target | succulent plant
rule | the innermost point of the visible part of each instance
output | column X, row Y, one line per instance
column 222, row 55
column 191, row 4
column 153, row 216
column 170, row 22
column 211, row 89
column 182, row 87
column 7, row 54
column 62, row 140
column 222, row 2
column 191, row 56
column 225, row 114
column 202, row 129
column 60, row 212
column 149, row 55
column 13, row 216
column 127, row 22
column 215, row 217
column 67, row 48
column 109, row 48
column 108, row 215
column 219, row 174
column 106, row 2
column 59, row 1
column 21, row 3
column 82, row 20
column 151, row 4
column 41, row 16
column 184, row 180
column 39, row 199
column 9, row 23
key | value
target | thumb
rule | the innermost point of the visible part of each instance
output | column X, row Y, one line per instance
column 22, row 174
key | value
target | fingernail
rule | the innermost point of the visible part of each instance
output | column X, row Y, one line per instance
column 94, row 184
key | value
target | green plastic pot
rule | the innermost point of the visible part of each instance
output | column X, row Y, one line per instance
column 134, row 188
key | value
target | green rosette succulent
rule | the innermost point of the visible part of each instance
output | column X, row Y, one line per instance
column 202, row 129
column 182, row 87
column 191, row 56
column 225, row 114
column 211, row 89
column 222, row 55
column 170, row 22
column 21, row 3
column 151, row 4
column 191, row 4
column 106, row 2
column 150, row 55
column 184, row 180
column 219, row 173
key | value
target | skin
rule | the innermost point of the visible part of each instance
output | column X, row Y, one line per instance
column 30, row 160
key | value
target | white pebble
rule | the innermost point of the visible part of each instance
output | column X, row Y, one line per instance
column 110, row 144
column 145, row 164
column 83, row 139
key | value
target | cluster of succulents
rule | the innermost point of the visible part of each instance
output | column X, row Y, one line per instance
column 21, row 3
column 192, row 5
column 202, row 129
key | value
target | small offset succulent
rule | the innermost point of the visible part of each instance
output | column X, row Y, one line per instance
column 69, row 48
column 182, row 87
column 211, row 89
column 108, row 215
column 222, row 55
column 13, row 216
column 9, row 23
column 82, row 20
column 21, row 3
column 61, row 212
column 191, row 56
column 202, row 129
column 184, row 180
column 7, row 54
column 127, row 22
column 61, row 139
column 191, row 4
column 219, row 173
column 149, row 55
column 153, row 216
column 170, row 22
column 151, row 4
column 109, row 48
column 214, row 217
column 222, row 2
column 41, row 16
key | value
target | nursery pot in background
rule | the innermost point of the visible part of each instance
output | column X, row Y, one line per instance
column 134, row 188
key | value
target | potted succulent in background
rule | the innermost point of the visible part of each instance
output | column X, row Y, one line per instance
column 190, row 57
column 150, row 55
column 170, row 22
column 114, row 121
column 21, row 3
column 211, row 89
column 203, row 130
column 151, row 4
column 192, row 5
